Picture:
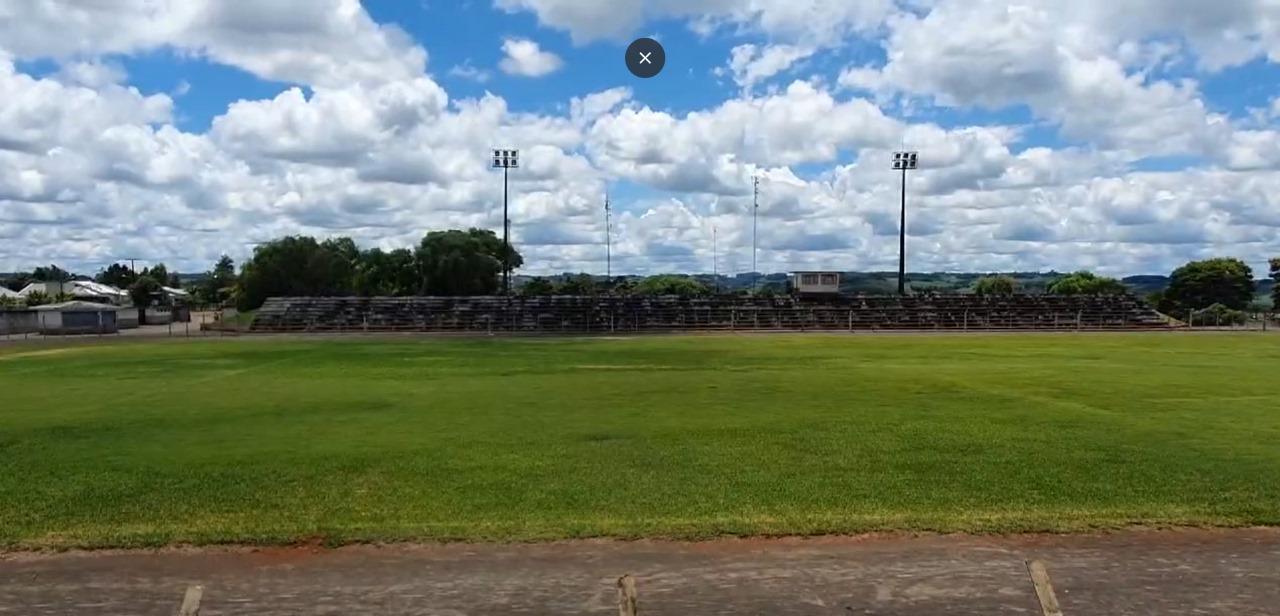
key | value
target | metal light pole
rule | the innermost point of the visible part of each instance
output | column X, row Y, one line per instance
column 755, row 215
column 715, row 260
column 608, row 240
column 903, row 161
column 506, row 160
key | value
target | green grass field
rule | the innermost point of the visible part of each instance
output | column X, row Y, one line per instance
column 271, row 441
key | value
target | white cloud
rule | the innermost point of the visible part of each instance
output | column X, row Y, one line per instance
column 470, row 73
column 526, row 59
column 818, row 21
column 1069, row 66
column 715, row 150
column 319, row 42
column 751, row 64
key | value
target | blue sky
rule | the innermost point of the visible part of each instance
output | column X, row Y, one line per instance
column 1126, row 141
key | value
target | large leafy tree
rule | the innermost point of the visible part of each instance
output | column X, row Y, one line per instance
column 161, row 274
column 117, row 275
column 143, row 290
column 385, row 273
column 1201, row 284
column 294, row 266
column 51, row 273
column 1086, row 283
column 996, row 285
column 462, row 262
column 219, row 283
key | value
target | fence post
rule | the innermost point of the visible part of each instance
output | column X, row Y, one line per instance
column 966, row 320
column 1079, row 320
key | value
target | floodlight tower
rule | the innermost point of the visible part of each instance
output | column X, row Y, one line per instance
column 904, row 161
column 755, row 215
column 608, row 239
column 715, row 260
column 506, row 160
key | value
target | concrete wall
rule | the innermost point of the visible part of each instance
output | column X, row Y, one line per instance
column 19, row 322
column 88, row 322
column 127, row 318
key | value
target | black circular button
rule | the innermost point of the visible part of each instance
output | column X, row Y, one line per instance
column 645, row 58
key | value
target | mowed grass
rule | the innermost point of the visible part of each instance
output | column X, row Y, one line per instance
column 271, row 441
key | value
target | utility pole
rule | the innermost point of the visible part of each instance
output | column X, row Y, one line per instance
column 506, row 160
column 755, row 215
column 608, row 240
column 903, row 161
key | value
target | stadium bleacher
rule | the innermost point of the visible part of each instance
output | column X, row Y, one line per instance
column 602, row 314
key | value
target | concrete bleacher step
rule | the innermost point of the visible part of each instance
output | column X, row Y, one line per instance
column 624, row 313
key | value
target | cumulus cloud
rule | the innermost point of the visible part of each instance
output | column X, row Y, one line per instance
column 319, row 42
column 525, row 58
column 750, row 64
column 820, row 20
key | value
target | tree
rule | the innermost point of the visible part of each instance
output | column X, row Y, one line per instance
column 1201, row 284
column 219, row 283
column 995, row 285
column 1086, row 283
column 297, row 266
column 668, row 284
column 51, row 273
column 161, row 275
column 578, row 284
column 1275, row 289
column 538, row 287
column 1218, row 314
column 117, row 275
column 143, row 290
column 18, row 281
column 38, row 298
column 462, row 262
column 380, row 273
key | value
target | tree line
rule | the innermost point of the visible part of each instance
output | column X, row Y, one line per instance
column 470, row 262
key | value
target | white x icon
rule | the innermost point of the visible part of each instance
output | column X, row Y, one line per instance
column 644, row 57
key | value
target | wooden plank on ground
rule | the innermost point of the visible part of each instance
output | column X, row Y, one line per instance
column 191, row 601
column 628, row 605
column 1044, row 588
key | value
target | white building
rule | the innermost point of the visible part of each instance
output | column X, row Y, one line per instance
column 84, row 290
column 806, row 283
column 77, row 318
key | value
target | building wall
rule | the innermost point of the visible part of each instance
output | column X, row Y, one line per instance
column 88, row 322
column 19, row 322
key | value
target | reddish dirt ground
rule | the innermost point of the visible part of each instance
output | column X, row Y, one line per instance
column 1134, row 572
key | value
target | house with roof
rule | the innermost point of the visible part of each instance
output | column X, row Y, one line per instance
column 81, row 290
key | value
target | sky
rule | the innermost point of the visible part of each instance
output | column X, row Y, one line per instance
column 1120, row 137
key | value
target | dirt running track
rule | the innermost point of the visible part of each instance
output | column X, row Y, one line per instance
column 1142, row 572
